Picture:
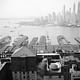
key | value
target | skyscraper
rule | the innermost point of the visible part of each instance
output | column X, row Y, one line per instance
column 74, row 8
column 64, row 13
column 78, row 13
column 73, row 15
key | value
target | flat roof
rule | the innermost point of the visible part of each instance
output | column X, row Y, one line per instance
column 48, row 54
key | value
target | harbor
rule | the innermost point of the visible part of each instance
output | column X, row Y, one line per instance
column 39, row 40
column 39, row 59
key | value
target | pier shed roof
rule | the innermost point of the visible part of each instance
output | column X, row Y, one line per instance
column 23, row 52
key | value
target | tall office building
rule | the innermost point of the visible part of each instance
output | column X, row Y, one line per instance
column 78, row 13
column 73, row 15
column 64, row 13
column 78, row 10
column 74, row 9
column 70, row 15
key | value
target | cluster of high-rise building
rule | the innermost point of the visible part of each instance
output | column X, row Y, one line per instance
column 66, row 17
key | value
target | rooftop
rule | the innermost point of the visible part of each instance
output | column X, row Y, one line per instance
column 23, row 52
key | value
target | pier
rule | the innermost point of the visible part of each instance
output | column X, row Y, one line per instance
column 21, row 61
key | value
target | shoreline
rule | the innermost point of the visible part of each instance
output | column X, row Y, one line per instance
column 45, row 25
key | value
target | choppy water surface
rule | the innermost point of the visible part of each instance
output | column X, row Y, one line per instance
column 12, row 29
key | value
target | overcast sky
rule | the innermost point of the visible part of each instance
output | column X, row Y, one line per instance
column 31, row 8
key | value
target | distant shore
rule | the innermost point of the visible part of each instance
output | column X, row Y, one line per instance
column 45, row 25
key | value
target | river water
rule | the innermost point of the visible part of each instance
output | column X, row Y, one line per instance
column 13, row 29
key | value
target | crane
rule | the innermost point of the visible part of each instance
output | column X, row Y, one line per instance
column 64, row 44
column 4, row 41
column 77, row 39
column 21, row 40
column 4, row 44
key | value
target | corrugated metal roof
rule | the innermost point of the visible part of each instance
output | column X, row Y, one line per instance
column 23, row 52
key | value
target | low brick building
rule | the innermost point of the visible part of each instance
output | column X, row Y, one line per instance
column 23, row 64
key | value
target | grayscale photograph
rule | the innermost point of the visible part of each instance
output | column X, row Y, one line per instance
column 39, row 39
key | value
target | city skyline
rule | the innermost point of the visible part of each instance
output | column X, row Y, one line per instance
column 67, row 16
